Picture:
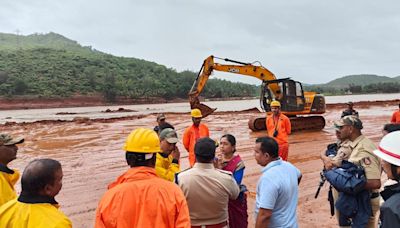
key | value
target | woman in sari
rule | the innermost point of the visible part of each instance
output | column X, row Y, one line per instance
column 230, row 162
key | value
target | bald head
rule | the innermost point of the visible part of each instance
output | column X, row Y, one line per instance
column 40, row 177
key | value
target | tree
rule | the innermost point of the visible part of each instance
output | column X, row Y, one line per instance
column 20, row 87
column 109, row 88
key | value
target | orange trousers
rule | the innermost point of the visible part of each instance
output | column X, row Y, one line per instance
column 284, row 151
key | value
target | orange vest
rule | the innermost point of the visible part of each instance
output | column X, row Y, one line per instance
column 283, row 127
column 138, row 198
column 395, row 117
column 190, row 137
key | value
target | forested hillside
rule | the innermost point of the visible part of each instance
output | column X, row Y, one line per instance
column 51, row 65
column 358, row 84
column 360, row 80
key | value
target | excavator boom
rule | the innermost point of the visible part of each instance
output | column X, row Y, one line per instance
column 209, row 66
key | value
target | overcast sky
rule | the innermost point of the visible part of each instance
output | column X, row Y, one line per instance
column 312, row 41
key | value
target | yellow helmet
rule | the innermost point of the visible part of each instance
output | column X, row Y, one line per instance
column 275, row 104
column 196, row 113
column 142, row 140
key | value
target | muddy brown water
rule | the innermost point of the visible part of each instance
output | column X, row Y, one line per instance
column 96, row 112
column 91, row 155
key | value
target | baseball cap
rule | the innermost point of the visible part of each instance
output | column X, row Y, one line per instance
column 8, row 140
column 161, row 116
column 169, row 134
column 349, row 103
column 350, row 121
column 205, row 147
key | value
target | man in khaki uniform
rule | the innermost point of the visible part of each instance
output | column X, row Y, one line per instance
column 343, row 152
column 362, row 154
column 207, row 189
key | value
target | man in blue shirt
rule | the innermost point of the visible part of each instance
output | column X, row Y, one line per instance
column 277, row 189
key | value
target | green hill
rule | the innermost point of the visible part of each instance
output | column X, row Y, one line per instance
column 358, row 84
column 50, row 40
column 359, row 80
column 50, row 65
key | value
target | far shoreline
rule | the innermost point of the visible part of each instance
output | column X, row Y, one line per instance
column 26, row 103
column 18, row 103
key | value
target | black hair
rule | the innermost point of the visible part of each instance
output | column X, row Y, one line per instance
column 204, row 150
column 201, row 159
column 165, row 125
column 269, row 145
column 390, row 127
column 39, row 173
column 231, row 139
column 139, row 159
column 394, row 172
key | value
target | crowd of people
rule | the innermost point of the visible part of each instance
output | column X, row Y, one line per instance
column 155, row 192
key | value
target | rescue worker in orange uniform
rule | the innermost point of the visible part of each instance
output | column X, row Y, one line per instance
column 139, row 198
column 279, row 127
column 8, row 177
column 396, row 116
column 193, row 133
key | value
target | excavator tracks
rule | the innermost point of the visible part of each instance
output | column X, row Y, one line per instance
column 301, row 123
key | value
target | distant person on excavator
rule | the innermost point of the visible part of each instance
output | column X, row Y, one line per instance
column 193, row 133
column 349, row 111
column 279, row 127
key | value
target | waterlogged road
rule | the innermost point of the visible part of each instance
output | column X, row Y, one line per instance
column 91, row 155
column 98, row 111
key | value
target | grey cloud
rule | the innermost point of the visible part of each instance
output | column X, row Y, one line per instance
column 310, row 40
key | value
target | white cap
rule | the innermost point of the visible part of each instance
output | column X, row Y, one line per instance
column 389, row 148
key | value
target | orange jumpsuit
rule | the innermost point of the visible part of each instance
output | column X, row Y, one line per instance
column 138, row 198
column 190, row 137
column 395, row 117
column 284, row 128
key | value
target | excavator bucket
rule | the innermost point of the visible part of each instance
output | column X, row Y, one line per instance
column 195, row 103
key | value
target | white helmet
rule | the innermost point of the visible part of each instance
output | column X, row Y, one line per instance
column 389, row 148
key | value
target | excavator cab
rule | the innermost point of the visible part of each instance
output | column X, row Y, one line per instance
column 290, row 94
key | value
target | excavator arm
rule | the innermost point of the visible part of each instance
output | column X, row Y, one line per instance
column 209, row 66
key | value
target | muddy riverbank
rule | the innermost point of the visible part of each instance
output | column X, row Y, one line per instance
column 75, row 101
column 91, row 154
column 25, row 102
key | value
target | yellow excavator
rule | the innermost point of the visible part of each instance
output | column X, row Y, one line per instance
column 303, row 108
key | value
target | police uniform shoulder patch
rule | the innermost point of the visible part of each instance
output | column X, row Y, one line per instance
column 367, row 161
